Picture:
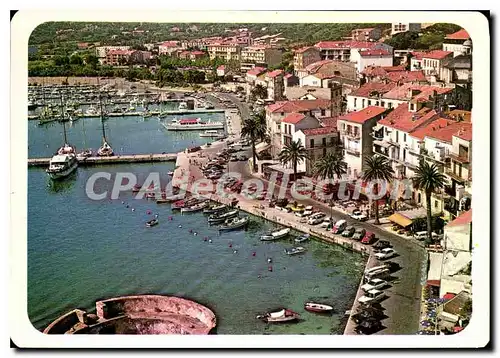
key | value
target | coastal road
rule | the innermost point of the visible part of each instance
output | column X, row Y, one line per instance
column 403, row 305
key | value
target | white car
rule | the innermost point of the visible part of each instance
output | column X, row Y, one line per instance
column 303, row 214
column 327, row 222
column 315, row 219
column 372, row 296
column 374, row 284
column 358, row 216
column 385, row 253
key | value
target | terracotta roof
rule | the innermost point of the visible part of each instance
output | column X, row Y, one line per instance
column 407, row 76
column 417, row 55
column 367, row 88
column 445, row 134
column 256, row 71
column 459, row 35
column 221, row 67
column 197, row 53
column 465, row 132
column 436, row 54
column 274, row 73
column 373, row 53
column 329, row 121
column 313, row 67
column 346, row 44
column 294, row 118
column 404, row 120
column 119, row 52
column 437, row 124
column 298, row 105
column 169, row 44
column 462, row 219
column 319, row 131
column 363, row 115
column 402, row 93
column 381, row 70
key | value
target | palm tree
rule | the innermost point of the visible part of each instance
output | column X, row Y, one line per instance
column 377, row 168
column 293, row 152
column 429, row 179
column 254, row 128
column 259, row 91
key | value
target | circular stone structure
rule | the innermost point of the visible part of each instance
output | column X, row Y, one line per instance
column 144, row 314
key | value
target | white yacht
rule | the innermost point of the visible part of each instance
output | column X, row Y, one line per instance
column 189, row 124
column 62, row 165
column 212, row 134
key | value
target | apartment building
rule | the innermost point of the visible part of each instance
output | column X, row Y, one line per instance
column 332, row 94
column 169, row 48
column 399, row 27
column 347, row 50
column 458, row 42
column 396, row 74
column 261, row 55
column 355, row 130
column 117, row 57
column 101, row 51
column 367, row 34
column 305, row 56
column 275, row 85
column 226, row 51
column 376, row 57
column 318, row 142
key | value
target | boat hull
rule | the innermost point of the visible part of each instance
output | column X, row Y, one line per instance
column 194, row 127
column 57, row 175
column 318, row 308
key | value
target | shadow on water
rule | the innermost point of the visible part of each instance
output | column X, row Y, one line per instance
column 64, row 185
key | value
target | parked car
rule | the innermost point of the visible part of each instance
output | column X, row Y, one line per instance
column 243, row 157
column 349, row 231
column 372, row 296
column 358, row 215
column 315, row 219
column 368, row 239
column 380, row 272
column 339, row 226
column 386, row 253
column 382, row 244
column 374, row 284
column 327, row 222
column 359, row 234
column 422, row 235
column 392, row 266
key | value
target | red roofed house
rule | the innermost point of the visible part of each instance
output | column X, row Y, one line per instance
column 117, row 57
column 347, row 50
column 433, row 63
column 355, row 133
column 275, row 85
column 304, row 56
column 368, row 34
column 276, row 112
column 294, row 122
column 221, row 71
column 252, row 74
column 457, row 241
column 369, row 94
column 459, row 43
column 376, row 57
column 168, row 48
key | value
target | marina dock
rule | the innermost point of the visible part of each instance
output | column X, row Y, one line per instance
column 117, row 159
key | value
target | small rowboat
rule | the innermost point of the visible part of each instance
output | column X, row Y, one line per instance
column 234, row 224
column 302, row 238
column 285, row 315
column 152, row 222
column 295, row 250
column 214, row 209
column 317, row 307
column 275, row 235
column 194, row 208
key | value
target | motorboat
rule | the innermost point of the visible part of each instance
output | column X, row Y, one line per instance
column 295, row 250
column 62, row 165
column 212, row 134
column 214, row 209
column 302, row 238
column 84, row 154
column 284, row 315
column 173, row 198
column 105, row 150
column 221, row 217
column 275, row 235
column 178, row 205
column 66, row 149
column 317, row 307
column 187, row 124
column 194, row 208
column 152, row 222
column 183, row 106
column 234, row 224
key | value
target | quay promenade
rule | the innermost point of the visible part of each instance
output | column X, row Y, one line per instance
column 116, row 159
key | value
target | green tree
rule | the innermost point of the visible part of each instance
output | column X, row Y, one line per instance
column 61, row 60
column 254, row 129
column 329, row 166
column 259, row 91
column 295, row 153
column 75, row 60
column 377, row 168
column 403, row 41
column 91, row 60
column 429, row 179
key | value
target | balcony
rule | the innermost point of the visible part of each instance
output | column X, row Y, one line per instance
column 351, row 135
column 351, row 151
column 460, row 159
column 377, row 136
column 449, row 172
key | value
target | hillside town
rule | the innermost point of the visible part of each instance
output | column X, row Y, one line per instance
column 353, row 110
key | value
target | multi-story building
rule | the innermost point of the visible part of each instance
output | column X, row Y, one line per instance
column 251, row 75
column 294, row 122
column 226, row 51
column 347, row 50
column 275, row 85
column 261, row 55
column 101, row 51
column 458, row 42
column 432, row 63
column 332, row 94
column 272, row 40
column 368, row 34
column 192, row 55
column 399, row 27
column 391, row 95
column 377, row 57
column 279, row 110
column 355, row 130
column 318, row 142
column 458, row 71
column 457, row 256
column 117, row 57
column 168, row 48
column 396, row 74
column 305, row 56
column 139, row 57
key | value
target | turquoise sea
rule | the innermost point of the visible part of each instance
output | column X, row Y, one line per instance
column 81, row 250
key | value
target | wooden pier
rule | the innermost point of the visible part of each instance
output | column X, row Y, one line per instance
column 117, row 159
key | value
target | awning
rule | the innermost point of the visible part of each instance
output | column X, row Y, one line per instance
column 400, row 220
column 382, row 143
column 449, row 296
column 435, row 263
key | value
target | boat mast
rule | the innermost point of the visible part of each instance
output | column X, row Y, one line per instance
column 100, row 109
column 62, row 118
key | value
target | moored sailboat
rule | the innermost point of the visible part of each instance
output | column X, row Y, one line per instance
column 105, row 149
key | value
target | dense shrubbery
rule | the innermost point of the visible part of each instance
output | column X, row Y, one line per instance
column 431, row 38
